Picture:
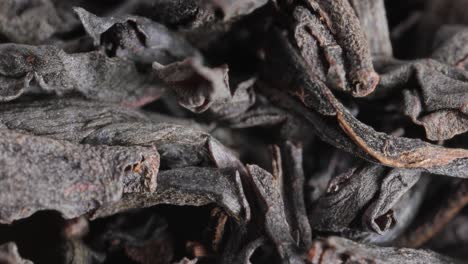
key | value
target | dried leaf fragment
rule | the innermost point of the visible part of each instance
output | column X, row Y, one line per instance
column 48, row 69
column 137, row 38
column 46, row 174
column 276, row 225
column 31, row 21
column 335, row 249
column 195, row 186
column 399, row 152
column 99, row 123
column 195, row 85
column 337, row 31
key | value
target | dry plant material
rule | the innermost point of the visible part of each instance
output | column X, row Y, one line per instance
column 336, row 249
column 45, row 174
column 47, row 69
column 233, row 131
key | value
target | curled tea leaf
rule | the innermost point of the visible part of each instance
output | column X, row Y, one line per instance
column 399, row 152
column 337, row 32
column 276, row 226
column 136, row 38
column 197, row 87
column 189, row 186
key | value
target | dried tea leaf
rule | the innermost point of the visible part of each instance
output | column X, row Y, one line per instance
column 259, row 116
column 193, row 14
column 329, row 165
column 100, row 123
column 310, row 34
column 335, row 249
column 439, row 103
column 295, row 68
column 136, row 38
column 449, row 45
column 41, row 173
column 337, row 31
column 47, row 69
column 439, row 125
column 379, row 214
column 371, row 194
column 242, row 99
column 175, row 61
column 31, row 21
column 196, row 85
column 347, row 195
column 276, row 225
column 388, row 150
column 193, row 186
column 293, row 182
column 403, row 213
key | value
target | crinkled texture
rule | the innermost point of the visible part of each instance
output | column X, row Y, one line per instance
column 378, row 216
column 335, row 249
column 242, row 99
column 176, row 62
column 336, row 29
column 47, row 69
column 403, row 213
column 32, row 21
column 351, row 134
column 440, row 103
column 347, row 195
column 99, row 123
column 46, row 174
column 194, row 186
column 136, row 38
column 196, row 86
column 180, row 147
column 439, row 125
